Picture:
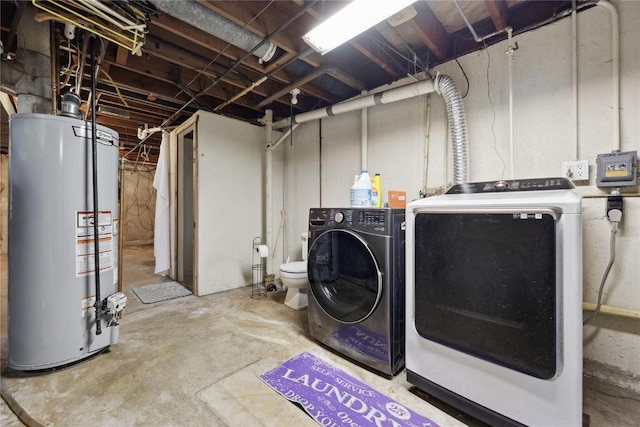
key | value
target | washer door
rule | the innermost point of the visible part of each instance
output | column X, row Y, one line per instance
column 344, row 276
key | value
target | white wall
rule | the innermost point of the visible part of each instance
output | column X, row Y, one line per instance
column 543, row 129
column 230, row 200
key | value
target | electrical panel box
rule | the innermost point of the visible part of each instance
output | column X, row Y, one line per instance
column 617, row 169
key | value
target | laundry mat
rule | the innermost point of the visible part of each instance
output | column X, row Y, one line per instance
column 161, row 292
column 334, row 398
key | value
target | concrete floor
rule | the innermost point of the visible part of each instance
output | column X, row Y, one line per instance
column 195, row 361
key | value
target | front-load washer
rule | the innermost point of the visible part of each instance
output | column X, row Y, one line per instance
column 356, row 284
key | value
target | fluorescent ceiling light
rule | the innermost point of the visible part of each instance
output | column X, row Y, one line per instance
column 353, row 19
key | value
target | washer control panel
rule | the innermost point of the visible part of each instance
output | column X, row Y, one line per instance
column 373, row 217
column 372, row 220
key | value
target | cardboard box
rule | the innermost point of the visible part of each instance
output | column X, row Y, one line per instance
column 397, row 199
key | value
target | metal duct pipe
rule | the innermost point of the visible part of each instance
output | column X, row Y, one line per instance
column 210, row 22
column 392, row 95
column 445, row 86
column 32, row 84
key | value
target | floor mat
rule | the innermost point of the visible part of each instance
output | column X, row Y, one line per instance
column 333, row 397
column 161, row 292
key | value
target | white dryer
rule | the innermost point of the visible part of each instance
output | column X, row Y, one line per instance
column 494, row 300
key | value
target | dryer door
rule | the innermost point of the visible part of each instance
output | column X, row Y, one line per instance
column 344, row 276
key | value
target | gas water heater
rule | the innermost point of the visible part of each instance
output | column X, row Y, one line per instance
column 52, row 277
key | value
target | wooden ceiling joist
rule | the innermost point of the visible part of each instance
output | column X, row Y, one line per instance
column 498, row 11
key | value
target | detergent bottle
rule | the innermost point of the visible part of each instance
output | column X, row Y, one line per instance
column 376, row 192
column 361, row 191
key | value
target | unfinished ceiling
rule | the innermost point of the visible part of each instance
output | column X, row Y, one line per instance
column 238, row 58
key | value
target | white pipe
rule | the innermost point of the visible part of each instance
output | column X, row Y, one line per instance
column 106, row 13
column 615, row 65
column 510, row 51
column 268, row 121
column 364, row 123
column 574, row 78
column 284, row 136
column 397, row 94
column 145, row 131
column 302, row 118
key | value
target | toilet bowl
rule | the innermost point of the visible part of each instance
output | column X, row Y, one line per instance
column 294, row 279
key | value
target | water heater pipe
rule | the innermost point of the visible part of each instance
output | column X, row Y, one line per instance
column 96, row 236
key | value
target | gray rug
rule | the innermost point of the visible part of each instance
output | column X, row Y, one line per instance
column 161, row 292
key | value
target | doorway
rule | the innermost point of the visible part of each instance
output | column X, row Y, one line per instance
column 186, row 180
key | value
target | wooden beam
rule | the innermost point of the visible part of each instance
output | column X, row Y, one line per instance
column 498, row 10
column 430, row 30
column 153, row 77
column 365, row 46
column 217, row 47
column 121, row 55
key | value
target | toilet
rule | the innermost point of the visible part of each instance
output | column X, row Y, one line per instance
column 294, row 278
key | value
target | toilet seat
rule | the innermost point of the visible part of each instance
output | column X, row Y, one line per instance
column 298, row 267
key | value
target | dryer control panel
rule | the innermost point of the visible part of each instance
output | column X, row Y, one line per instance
column 534, row 184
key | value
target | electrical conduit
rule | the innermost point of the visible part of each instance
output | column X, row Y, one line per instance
column 615, row 65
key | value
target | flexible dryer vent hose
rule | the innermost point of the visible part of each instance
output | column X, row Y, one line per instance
column 445, row 86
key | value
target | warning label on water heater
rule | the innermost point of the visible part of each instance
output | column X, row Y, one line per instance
column 85, row 242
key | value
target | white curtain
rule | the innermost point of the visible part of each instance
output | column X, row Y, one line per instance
column 162, row 238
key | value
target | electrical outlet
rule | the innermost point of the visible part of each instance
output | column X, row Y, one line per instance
column 576, row 170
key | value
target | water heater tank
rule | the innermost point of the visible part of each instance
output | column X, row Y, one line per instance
column 52, row 319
